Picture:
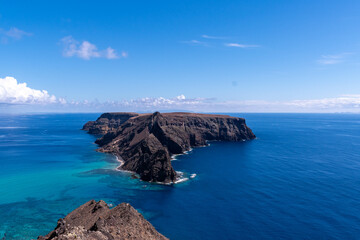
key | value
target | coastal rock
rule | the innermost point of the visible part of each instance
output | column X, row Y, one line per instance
column 107, row 122
column 96, row 221
column 145, row 142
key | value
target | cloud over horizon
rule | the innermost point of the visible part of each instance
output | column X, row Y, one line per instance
column 86, row 50
column 14, row 93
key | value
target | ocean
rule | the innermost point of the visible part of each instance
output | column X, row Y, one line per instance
column 300, row 179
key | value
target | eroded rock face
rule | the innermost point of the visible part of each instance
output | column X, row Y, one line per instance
column 107, row 122
column 95, row 220
column 145, row 142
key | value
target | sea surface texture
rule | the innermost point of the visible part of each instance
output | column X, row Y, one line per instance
column 300, row 179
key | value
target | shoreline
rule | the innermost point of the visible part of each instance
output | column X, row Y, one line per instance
column 152, row 159
column 180, row 175
column 173, row 157
column 122, row 162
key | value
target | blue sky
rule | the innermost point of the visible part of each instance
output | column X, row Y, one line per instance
column 291, row 56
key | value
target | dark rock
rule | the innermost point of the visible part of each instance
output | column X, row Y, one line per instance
column 95, row 221
column 107, row 122
column 145, row 142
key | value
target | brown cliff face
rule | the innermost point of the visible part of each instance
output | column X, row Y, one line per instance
column 95, row 220
column 146, row 142
column 107, row 122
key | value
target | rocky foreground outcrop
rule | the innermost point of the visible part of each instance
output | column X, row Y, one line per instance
column 145, row 142
column 96, row 221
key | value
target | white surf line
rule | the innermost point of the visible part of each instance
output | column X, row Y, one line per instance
column 122, row 162
column 180, row 175
column 193, row 175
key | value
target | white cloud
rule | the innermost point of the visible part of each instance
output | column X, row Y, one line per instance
column 195, row 43
column 87, row 50
column 13, row 33
column 12, row 92
column 110, row 53
column 211, row 37
column 238, row 45
column 332, row 59
column 345, row 103
column 16, row 33
column 160, row 102
column 181, row 97
column 140, row 104
column 341, row 102
column 124, row 54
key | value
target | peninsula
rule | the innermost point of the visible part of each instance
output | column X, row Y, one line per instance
column 145, row 142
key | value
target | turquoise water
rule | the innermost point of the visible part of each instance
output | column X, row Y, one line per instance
column 299, row 180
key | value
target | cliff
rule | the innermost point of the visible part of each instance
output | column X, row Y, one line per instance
column 96, row 221
column 145, row 142
column 107, row 122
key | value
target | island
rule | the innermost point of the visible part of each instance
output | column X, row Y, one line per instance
column 96, row 221
column 145, row 143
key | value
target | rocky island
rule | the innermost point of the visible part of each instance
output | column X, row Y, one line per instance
column 96, row 221
column 145, row 142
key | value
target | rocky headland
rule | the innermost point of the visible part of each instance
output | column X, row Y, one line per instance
column 107, row 122
column 145, row 142
column 96, row 221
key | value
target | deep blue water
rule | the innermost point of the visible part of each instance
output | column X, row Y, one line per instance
column 299, row 180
